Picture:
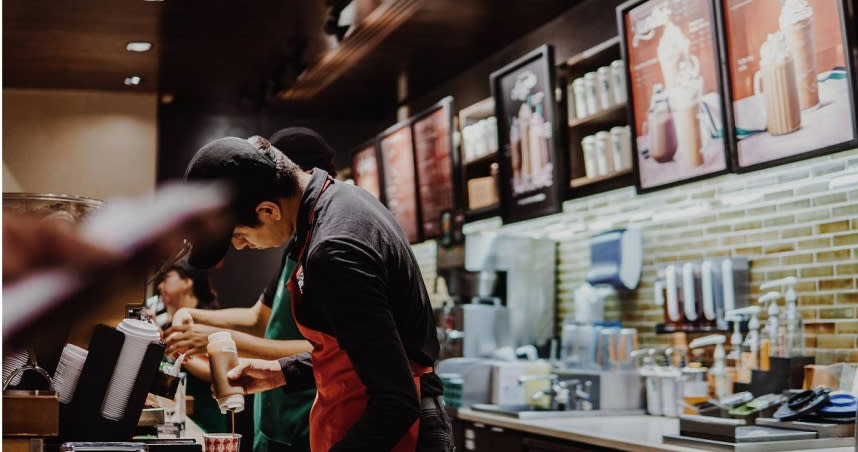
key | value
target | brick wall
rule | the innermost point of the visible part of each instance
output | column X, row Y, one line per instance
column 796, row 220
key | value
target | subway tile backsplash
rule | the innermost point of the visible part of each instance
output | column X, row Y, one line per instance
column 799, row 219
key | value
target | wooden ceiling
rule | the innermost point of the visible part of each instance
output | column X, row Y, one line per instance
column 79, row 44
column 219, row 55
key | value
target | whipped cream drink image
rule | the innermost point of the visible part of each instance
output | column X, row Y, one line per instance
column 779, row 86
column 796, row 22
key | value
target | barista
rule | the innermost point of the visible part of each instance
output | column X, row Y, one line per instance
column 356, row 294
column 267, row 330
column 183, row 286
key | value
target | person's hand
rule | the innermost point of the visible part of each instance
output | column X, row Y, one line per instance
column 188, row 339
column 183, row 317
column 257, row 375
column 30, row 244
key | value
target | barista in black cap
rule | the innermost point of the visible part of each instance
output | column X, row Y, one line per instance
column 281, row 420
column 356, row 294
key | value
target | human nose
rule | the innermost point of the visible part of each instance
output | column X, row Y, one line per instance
column 239, row 243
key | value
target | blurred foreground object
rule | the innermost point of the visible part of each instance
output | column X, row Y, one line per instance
column 57, row 277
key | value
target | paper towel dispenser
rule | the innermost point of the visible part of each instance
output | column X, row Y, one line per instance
column 616, row 259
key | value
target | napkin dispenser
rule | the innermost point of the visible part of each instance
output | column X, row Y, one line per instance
column 616, row 259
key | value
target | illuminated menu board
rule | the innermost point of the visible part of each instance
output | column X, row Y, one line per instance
column 365, row 169
column 671, row 52
column 400, row 188
column 433, row 145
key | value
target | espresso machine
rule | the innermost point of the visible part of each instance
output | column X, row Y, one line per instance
column 505, row 296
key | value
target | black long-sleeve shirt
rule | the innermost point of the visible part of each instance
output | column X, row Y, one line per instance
column 362, row 286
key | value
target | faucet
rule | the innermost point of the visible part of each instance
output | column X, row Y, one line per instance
column 577, row 394
column 552, row 391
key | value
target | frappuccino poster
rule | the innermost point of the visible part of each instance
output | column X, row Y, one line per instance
column 671, row 50
column 531, row 181
column 365, row 169
column 790, row 87
column 400, row 184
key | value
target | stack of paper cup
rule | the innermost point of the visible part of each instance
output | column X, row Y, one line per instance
column 68, row 372
column 138, row 335
column 12, row 362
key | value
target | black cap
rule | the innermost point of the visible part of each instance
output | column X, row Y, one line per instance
column 251, row 174
column 306, row 148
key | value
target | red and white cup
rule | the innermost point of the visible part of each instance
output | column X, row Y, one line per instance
column 221, row 442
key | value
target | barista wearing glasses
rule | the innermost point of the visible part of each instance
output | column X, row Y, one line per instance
column 357, row 296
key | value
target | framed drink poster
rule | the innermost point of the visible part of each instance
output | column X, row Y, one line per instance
column 436, row 163
column 791, row 80
column 399, row 178
column 676, row 107
column 365, row 170
column 532, row 170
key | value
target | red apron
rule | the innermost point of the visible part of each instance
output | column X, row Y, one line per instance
column 341, row 397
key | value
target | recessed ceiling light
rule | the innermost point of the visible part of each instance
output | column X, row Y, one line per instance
column 138, row 46
column 133, row 80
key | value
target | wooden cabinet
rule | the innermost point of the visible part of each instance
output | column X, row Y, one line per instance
column 479, row 437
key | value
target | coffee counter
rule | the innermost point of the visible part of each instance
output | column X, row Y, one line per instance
column 628, row 433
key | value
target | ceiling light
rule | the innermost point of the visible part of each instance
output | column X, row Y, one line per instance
column 138, row 46
column 133, row 80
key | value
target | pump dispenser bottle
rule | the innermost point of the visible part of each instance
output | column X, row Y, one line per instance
column 749, row 360
column 792, row 340
column 718, row 371
column 770, row 343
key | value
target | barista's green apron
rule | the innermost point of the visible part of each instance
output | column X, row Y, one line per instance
column 281, row 419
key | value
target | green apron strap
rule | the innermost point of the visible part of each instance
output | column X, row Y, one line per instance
column 282, row 420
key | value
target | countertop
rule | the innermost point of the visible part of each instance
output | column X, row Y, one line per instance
column 630, row 433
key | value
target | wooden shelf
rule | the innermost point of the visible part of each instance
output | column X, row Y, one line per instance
column 488, row 158
column 583, row 189
column 615, row 115
column 482, row 213
column 596, row 50
column 584, row 181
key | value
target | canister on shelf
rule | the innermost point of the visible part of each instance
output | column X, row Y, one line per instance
column 594, row 103
column 604, row 157
column 579, row 87
column 605, row 81
column 621, row 147
column 588, row 145
column 618, row 74
column 570, row 101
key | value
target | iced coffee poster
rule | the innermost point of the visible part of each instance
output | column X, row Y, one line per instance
column 433, row 148
column 524, row 103
column 790, row 85
column 671, row 50
column 400, row 189
column 365, row 170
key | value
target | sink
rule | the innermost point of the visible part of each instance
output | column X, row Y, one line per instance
column 535, row 412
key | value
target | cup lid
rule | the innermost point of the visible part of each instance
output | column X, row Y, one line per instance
column 139, row 328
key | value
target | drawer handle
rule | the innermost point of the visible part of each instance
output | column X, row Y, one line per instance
column 496, row 429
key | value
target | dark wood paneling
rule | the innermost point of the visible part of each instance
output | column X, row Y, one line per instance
column 577, row 29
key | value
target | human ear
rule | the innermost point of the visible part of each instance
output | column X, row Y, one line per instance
column 267, row 210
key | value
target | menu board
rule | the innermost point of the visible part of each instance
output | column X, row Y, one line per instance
column 365, row 169
column 791, row 85
column 671, row 53
column 433, row 146
column 532, row 177
column 400, row 188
